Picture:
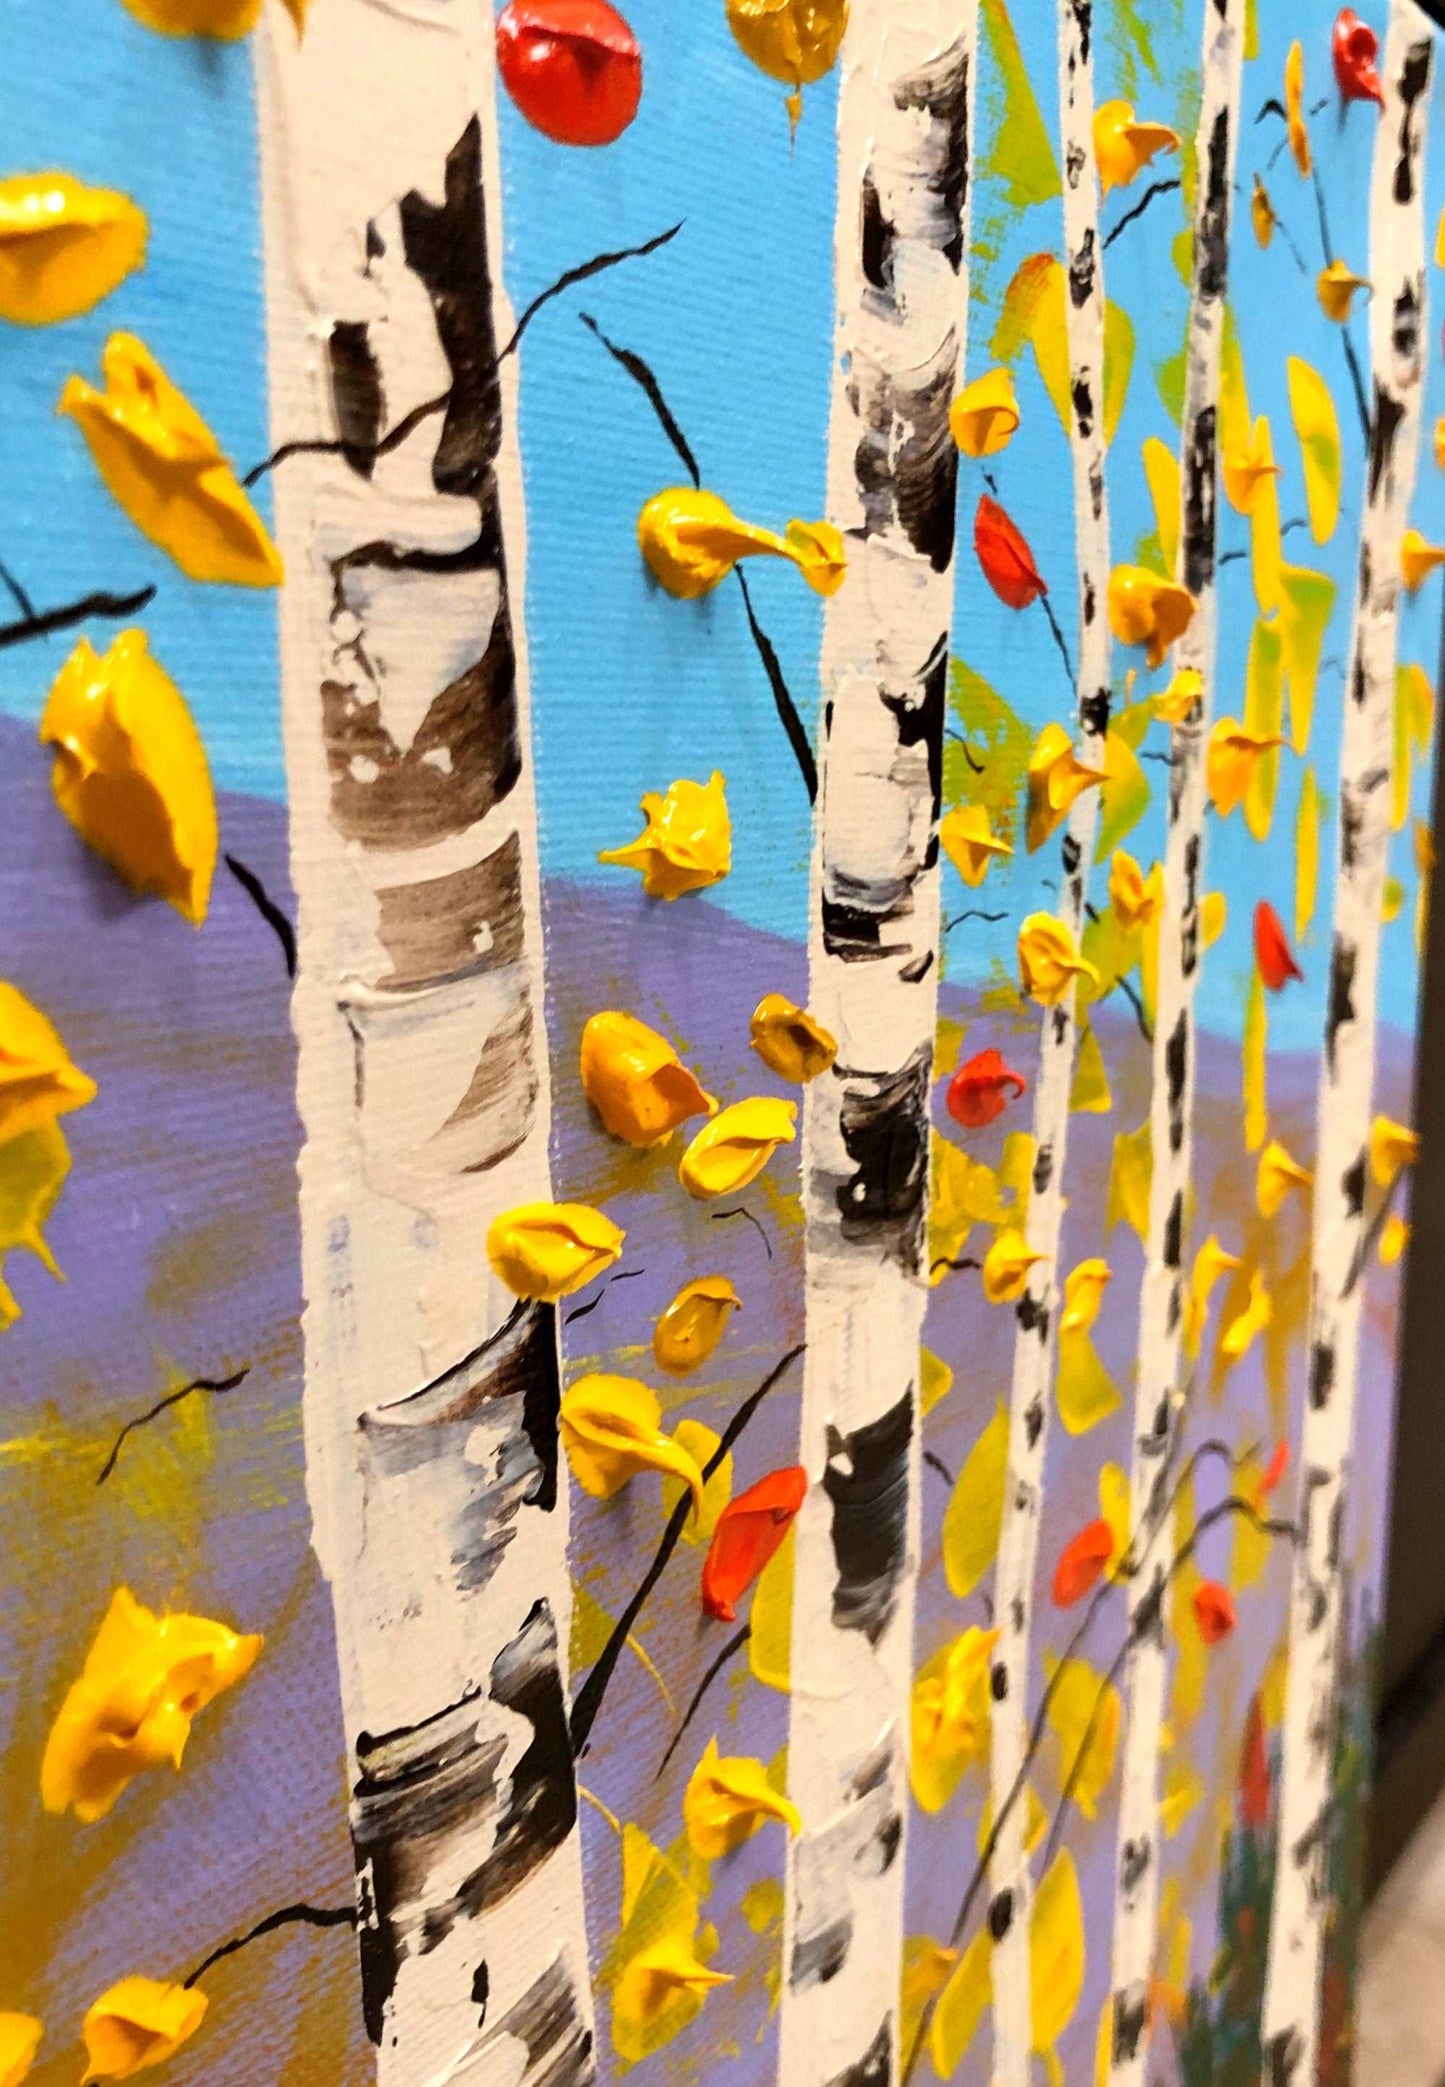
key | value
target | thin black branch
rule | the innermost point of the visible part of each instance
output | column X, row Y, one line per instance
column 957, row 1262
column 1048, row 609
column 734, row 1644
column 589, row 1697
column 936, row 1463
column 16, row 592
column 642, row 376
column 1157, row 188
column 977, row 766
column 580, row 1311
column 1145, row 1028
column 738, row 1210
column 1233, row 1505
column 572, row 276
column 288, row 1916
column 970, row 913
column 266, row 906
column 44, row 621
column 787, row 710
column 1357, row 380
column 215, row 1385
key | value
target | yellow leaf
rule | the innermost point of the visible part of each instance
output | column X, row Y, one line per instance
column 731, row 1150
column 1183, row 1791
column 1114, row 1506
column 1393, row 1239
column 1335, row 287
column 691, row 540
column 1210, row 1263
column 1161, row 474
column 1393, row 1148
column 1414, row 733
column 1085, row 1391
column 984, row 418
column 1130, row 1175
column 548, row 1250
column 1123, row 795
column 962, row 2005
column 164, row 467
column 33, row 1167
column 63, row 246
column 926, row 1965
column 1278, row 1177
column 935, row 1380
column 770, row 1643
column 1238, row 1337
column 1006, row 1266
column 1265, row 539
column 144, row 1679
column 969, row 842
column 1033, row 311
column 1306, row 603
column 1294, row 104
column 1050, row 961
column 1235, row 423
column 965, row 1194
column 1418, row 559
column 1056, row 781
column 699, row 1441
column 1118, row 365
column 794, row 41
column 727, row 1800
column 1123, row 146
column 137, row 2023
column 1090, row 1092
column 687, row 842
column 1317, row 427
column 1213, row 917
column 20, row 2037
column 949, row 1716
column 974, row 1515
column 689, row 1328
column 1306, row 854
column 1254, row 1059
column 1263, row 716
column 1085, row 1713
column 1056, row 1951
column 611, row 1432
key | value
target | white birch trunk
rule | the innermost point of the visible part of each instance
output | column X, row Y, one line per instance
column 904, row 131
column 1036, row 1341
column 430, row 1403
column 1158, row 1402
column 1399, row 345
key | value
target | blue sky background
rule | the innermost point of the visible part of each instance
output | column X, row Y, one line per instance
column 630, row 687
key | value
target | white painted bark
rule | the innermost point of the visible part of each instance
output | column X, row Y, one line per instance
column 904, row 127
column 1036, row 1341
column 1158, row 1401
column 1399, row 345
column 430, row 1403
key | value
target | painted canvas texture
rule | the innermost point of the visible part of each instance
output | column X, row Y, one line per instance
column 716, row 744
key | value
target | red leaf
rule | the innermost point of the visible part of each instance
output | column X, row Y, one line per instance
column 1254, row 1770
column 1356, row 47
column 1275, row 1469
column 1214, row 1611
column 1082, row 1563
column 749, row 1531
column 1008, row 563
column 1272, row 952
column 976, row 1093
column 573, row 67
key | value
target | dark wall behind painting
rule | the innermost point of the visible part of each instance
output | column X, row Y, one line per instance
column 1410, row 1726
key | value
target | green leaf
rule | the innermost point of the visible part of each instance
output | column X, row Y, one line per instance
column 1022, row 154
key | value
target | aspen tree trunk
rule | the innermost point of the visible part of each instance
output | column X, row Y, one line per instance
column 431, row 1397
column 1036, row 1340
column 904, row 132
column 1158, row 1398
column 1399, row 343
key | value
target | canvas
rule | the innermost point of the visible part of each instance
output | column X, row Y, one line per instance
column 717, row 743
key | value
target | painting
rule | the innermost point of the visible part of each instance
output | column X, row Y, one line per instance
column 717, row 733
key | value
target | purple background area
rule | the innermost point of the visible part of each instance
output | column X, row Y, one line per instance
column 177, row 1232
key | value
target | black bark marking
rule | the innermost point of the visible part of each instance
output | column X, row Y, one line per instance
column 1322, row 1374
column 547, row 2022
column 884, row 1125
column 1174, row 1232
column 1131, row 2011
column 875, row 2067
column 1211, row 226
column 998, row 1682
column 866, row 1479
column 1341, row 1007
column 1384, row 427
column 940, row 88
column 1082, row 269
column 493, row 1417
column 1176, row 1072
column 919, row 709
column 445, row 245
column 906, row 463
column 1000, row 1914
column 460, row 925
column 1414, row 83
column 1200, row 500
column 358, row 400
column 876, row 240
